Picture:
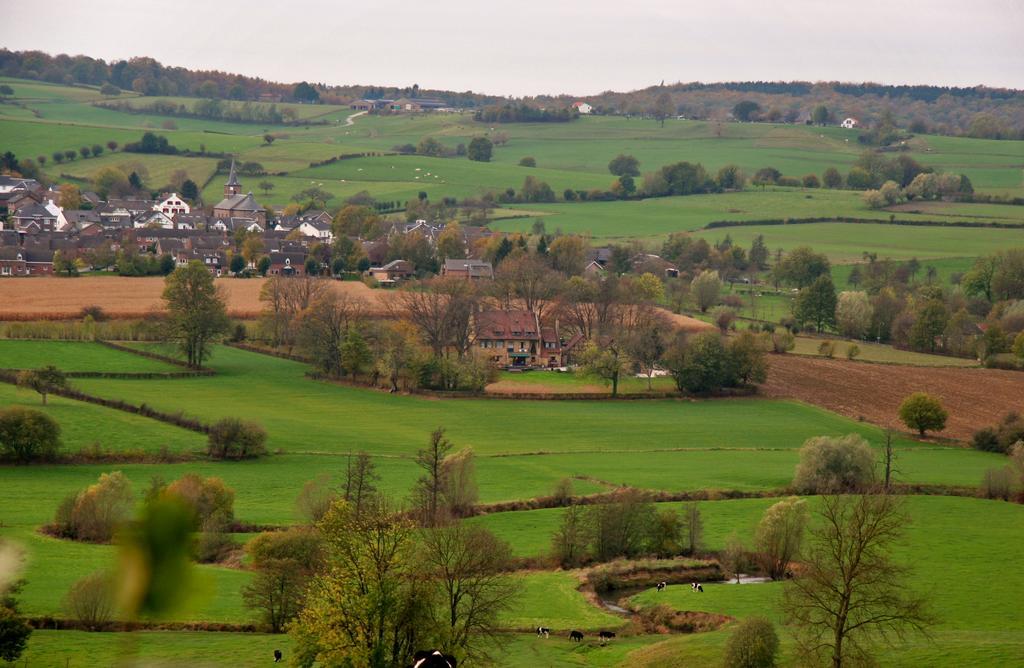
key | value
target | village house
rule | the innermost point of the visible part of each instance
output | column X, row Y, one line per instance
column 414, row 105
column 582, row 107
column 515, row 339
column 392, row 272
column 16, row 192
column 468, row 269
column 849, row 123
column 34, row 218
column 172, row 205
column 287, row 263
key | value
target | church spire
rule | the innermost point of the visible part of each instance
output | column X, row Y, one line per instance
column 233, row 186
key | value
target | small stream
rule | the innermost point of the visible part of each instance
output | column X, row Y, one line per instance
column 610, row 599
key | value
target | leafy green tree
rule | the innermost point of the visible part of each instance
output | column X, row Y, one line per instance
column 197, row 312
column 929, row 325
column 817, row 304
column 923, row 412
column 303, row 92
column 705, row 289
column 27, row 435
column 237, row 263
column 698, row 364
column 801, row 267
column 832, row 178
column 663, row 108
column 820, row 115
column 830, row 465
column 14, row 634
column 356, row 357
column 480, row 149
column 624, row 165
column 189, row 190
column 232, row 438
column 779, row 535
column 731, row 177
column 745, row 110
column 606, row 361
column 44, row 381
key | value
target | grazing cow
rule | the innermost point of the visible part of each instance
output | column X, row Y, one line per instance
column 543, row 631
column 575, row 635
column 662, row 585
column 433, row 658
column 700, row 588
column 605, row 636
column 278, row 656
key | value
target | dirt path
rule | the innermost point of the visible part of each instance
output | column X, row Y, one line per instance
column 975, row 398
column 351, row 119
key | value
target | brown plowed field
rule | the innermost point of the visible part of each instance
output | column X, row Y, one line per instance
column 975, row 398
column 42, row 297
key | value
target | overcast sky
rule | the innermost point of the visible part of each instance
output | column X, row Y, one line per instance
column 523, row 47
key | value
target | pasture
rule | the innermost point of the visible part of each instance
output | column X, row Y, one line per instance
column 673, row 445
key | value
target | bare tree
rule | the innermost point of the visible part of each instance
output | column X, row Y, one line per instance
column 360, row 481
column 460, row 489
column 530, row 280
column 848, row 591
column 323, row 327
column 693, row 527
column 442, row 312
column 569, row 542
column 734, row 557
column 430, row 488
column 285, row 298
column 468, row 563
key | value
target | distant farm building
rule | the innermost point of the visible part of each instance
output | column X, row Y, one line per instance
column 849, row 123
column 582, row 107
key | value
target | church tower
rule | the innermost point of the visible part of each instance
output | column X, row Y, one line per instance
column 232, row 187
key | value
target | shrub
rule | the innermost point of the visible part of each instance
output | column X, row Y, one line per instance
column 782, row 341
column 528, row 162
column 997, row 484
column 723, row 317
column 827, row 349
column 986, row 439
column 209, row 498
column 562, row 493
column 852, row 351
column 753, row 644
column 91, row 600
column 14, row 633
column 923, row 412
column 214, row 543
column 94, row 514
column 28, row 435
column 232, row 438
column 832, row 465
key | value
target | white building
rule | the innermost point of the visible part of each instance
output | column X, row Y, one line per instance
column 582, row 107
column 849, row 123
column 172, row 206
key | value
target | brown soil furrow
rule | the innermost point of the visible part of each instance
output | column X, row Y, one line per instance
column 975, row 398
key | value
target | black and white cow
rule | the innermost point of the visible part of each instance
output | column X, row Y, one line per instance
column 543, row 631
column 605, row 636
column 278, row 656
column 662, row 585
column 433, row 658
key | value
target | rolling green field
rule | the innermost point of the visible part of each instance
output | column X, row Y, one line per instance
column 568, row 155
column 87, row 425
column 655, row 218
column 76, row 356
